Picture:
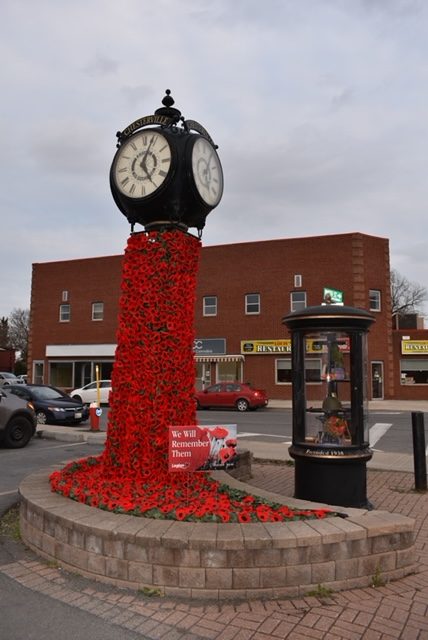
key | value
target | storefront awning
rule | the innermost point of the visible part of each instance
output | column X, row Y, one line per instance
column 231, row 358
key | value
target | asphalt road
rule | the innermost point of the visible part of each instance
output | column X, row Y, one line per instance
column 15, row 464
column 389, row 430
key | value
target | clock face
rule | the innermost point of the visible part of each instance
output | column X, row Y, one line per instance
column 142, row 164
column 207, row 172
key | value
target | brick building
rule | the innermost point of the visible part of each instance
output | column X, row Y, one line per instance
column 244, row 291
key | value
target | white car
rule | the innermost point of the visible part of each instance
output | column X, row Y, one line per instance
column 7, row 378
column 88, row 393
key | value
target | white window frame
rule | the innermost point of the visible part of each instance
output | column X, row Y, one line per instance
column 97, row 315
column 252, row 303
column 64, row 296
column 297, row 305
column 298, row 281
column 64, row 316
column 36, row 378
column 209, row 308
column 375, row 295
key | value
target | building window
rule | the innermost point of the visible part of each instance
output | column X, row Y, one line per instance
column 229, row 371
column 414, row 371
column 64, row 296
column 252, row 303
column 283, row 370
column 297, row 300
column 374, row 297
column 210, row 306
column 61, row 374
column 297, row 281
column 98, row 311
column 38, row 371
column 64, row 313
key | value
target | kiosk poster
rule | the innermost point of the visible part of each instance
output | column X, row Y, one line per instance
column 196, row 448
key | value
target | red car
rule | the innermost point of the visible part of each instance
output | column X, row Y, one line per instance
column 231, row 394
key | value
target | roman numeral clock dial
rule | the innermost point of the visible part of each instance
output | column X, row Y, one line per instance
column 207, row 172
column 142, row 164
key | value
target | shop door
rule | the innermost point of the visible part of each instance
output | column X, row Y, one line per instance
column 377, row 380
column 203, row 375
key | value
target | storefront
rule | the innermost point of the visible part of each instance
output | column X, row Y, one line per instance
column 414, row 362
column 213, row 364
column 73, row 366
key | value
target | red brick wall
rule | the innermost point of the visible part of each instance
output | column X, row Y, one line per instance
column 353, row 263
column 87, row 280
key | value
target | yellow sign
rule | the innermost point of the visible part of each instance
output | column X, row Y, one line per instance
column 263, row 347
column 257, row 347
column 414, row 347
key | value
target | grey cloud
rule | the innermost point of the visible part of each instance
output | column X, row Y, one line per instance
column 102, row 66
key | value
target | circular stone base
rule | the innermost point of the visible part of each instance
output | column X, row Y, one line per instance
column 210, row 560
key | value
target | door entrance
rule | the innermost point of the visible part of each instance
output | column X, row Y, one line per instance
column 203, row 375
column 377, row 380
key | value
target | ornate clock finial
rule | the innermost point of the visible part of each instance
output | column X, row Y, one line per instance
column 168, row 110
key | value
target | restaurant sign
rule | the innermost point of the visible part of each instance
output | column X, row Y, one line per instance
column 263, row 347
column 414, row 347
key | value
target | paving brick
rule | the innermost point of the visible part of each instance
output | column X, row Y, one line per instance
column 218, row 578
column 245, row 578
column 323, row 572
column 191, row 577
column 213, row 558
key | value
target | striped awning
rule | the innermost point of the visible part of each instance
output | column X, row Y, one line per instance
column 226, row 358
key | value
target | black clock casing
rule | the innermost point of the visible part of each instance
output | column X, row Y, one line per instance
column 166, row 176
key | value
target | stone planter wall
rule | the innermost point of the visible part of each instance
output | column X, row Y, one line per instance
column 219, row 561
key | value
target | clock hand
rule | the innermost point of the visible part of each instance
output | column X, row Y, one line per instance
column 147, row 151
column 143, row 164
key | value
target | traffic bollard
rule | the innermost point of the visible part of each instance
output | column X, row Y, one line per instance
column 94, row 414
column 419, row 452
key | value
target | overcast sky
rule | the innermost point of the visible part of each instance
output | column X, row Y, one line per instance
column 319, row 108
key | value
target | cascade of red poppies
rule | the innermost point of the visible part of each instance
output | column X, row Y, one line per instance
column 154, row 373
column 152, row 389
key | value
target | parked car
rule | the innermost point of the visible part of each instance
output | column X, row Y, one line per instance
column 23, row 377
column 7, row 378
column 231, row 394
column 88, row 393
column 52, row 405
column 17, row 420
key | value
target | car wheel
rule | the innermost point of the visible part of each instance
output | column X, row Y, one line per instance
column 41, row 417
column 78, row 398
column 18, row 433
column 242, row 404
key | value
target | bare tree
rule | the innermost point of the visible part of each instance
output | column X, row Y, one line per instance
column 4, row 333
column 406, row 296
column 18, row 331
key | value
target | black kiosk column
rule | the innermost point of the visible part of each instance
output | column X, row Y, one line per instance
column 330, row 409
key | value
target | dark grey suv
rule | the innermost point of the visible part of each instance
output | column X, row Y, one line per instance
column 17, row 421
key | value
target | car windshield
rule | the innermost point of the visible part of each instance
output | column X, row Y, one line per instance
column 46, row 393
column 8, row 375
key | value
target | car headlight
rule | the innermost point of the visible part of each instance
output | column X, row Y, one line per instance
column 56, row 409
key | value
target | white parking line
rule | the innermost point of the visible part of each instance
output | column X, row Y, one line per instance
column 249, row 434
column 377, row 431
